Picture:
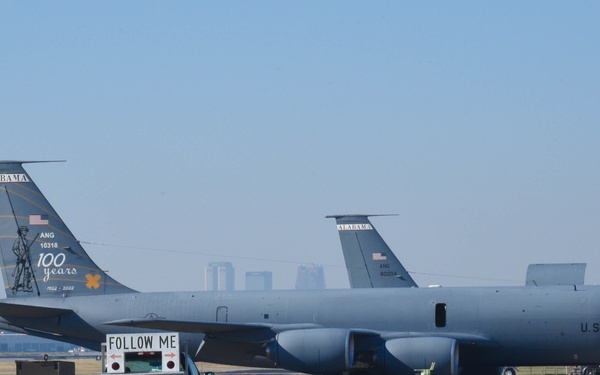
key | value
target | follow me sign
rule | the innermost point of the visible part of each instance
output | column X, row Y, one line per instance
column 117, row 345
column 142, row 342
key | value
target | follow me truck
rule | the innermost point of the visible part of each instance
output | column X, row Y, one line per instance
column 146, row 353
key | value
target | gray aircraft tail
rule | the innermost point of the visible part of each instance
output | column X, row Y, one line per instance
column 369, row 260
column 40, row 255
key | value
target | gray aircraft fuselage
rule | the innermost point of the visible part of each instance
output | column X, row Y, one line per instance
column 556, row 325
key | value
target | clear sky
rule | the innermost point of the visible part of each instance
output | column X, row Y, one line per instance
column 226, row 131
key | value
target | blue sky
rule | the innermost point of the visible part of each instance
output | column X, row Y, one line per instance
column 208, row 131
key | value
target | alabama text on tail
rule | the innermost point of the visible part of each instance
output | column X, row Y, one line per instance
column 40, row 255
column 369, row 260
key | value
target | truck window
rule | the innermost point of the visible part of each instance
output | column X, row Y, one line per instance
column 143, row 362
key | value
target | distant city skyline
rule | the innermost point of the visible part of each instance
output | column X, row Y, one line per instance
column 259, row 280
column 310, row 276
column 219, row 276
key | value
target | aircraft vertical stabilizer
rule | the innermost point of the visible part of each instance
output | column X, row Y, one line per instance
column 40, row 255
column 369, row 260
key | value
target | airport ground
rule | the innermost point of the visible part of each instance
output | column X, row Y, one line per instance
column 89, row 366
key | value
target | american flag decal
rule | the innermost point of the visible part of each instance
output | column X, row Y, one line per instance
column 38, row 219
column 379, row 256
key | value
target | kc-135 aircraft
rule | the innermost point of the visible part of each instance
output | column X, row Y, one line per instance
column 55, row 290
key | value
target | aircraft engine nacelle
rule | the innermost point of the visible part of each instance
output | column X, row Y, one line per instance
column 403, row 356
column 313, row 351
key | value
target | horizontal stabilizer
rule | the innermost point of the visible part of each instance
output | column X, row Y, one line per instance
column 10, row 327
column 28, row 311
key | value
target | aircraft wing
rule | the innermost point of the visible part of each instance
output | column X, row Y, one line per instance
column 190, row 326
column 261, row 331
column 240, row 331
column 28, row 311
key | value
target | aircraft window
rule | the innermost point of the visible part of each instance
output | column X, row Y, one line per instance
column 440, row 314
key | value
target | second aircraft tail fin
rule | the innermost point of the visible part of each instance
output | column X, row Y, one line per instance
column 369, row 260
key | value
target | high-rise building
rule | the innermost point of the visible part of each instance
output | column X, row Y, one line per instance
column 262, row 280
column 219, row 276
column 310, row 277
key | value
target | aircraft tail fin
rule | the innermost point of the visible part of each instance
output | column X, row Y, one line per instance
column 39, row 254
column 369, row 260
